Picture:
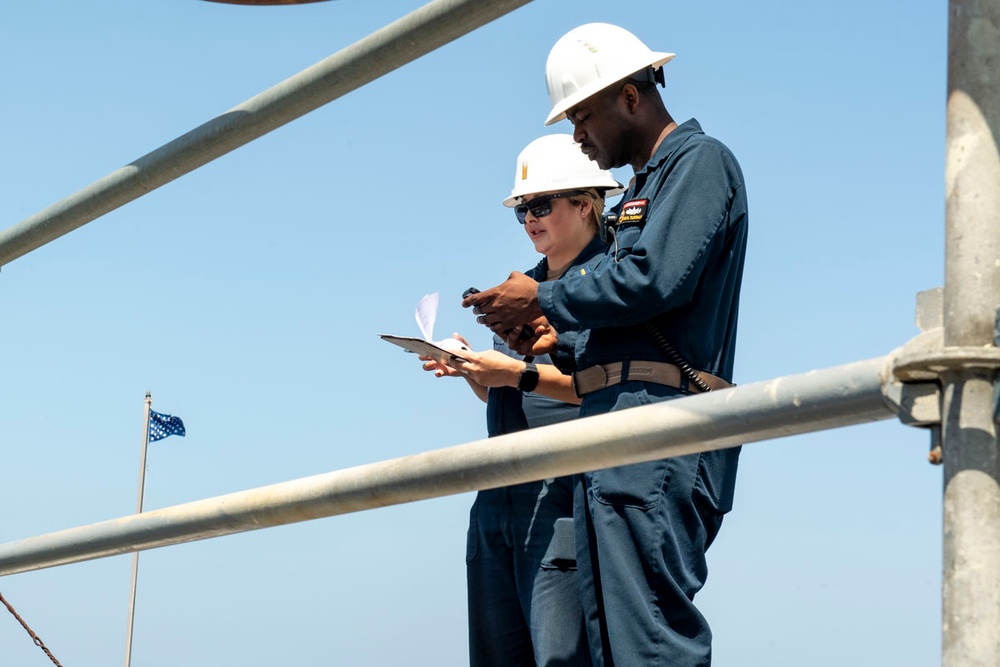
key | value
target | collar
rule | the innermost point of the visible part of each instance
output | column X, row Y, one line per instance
column 671, row 143
column 588, row 257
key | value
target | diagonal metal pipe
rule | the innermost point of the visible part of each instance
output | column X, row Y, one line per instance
column 823, row 399
column 416, row 34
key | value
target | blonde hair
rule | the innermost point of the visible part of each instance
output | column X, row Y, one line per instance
column 596, row 210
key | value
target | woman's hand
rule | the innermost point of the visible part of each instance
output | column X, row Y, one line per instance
column 440, row 369
column 491, row 368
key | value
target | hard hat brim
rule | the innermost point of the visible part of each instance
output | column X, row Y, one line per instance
column 514, row 200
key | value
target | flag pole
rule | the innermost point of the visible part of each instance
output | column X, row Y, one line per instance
column 138, row 510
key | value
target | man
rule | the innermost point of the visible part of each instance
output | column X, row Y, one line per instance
column 660, row 316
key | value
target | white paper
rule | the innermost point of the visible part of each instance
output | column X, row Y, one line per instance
column 426, row 316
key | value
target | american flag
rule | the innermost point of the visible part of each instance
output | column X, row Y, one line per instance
column 161, row 426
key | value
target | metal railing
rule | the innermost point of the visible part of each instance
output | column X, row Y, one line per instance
column 839, row 396
column 945, row 379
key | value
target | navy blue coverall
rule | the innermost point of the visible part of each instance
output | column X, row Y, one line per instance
column 524, row 595
column 642, row 530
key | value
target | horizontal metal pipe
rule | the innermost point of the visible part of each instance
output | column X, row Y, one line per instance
column 839, row 396
column 416, row 34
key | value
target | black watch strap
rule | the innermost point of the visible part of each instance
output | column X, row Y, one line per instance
column 528, row 379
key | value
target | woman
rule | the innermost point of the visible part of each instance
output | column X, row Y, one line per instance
column 524, row 598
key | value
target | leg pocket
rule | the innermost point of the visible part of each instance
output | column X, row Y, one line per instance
column 561, row 554
column 639, row 485
column 472, row 536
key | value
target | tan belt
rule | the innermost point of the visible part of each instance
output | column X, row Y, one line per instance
column 598, row 377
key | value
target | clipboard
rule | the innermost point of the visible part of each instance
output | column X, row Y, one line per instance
column 421, row 346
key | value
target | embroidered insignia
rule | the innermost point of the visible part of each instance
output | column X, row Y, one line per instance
column 633, row 212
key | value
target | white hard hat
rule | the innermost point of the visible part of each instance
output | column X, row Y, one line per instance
column 590, row 58
column 555, row 163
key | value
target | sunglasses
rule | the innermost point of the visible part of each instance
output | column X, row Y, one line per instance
column 541, row 206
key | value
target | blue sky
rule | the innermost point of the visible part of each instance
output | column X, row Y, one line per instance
column 246, row 297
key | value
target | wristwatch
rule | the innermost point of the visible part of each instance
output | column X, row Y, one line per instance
column 528, row 379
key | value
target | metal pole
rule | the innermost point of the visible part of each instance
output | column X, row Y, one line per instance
column 839, row 396
column 416, row 34
column 971, row 577
column 138, row 510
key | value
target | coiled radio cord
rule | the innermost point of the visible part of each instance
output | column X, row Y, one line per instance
column 676, row 359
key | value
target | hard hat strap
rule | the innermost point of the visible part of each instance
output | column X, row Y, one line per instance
column 649, row 75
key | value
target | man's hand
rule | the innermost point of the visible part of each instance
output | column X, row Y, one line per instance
column 542, row 341
column 506, row 306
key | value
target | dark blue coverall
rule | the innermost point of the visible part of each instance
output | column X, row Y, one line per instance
column 642, row 530
column 524, row 595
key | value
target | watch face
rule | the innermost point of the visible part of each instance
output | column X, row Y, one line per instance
column 528, row 379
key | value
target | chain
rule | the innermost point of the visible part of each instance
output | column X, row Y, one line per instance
column 35, row 638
